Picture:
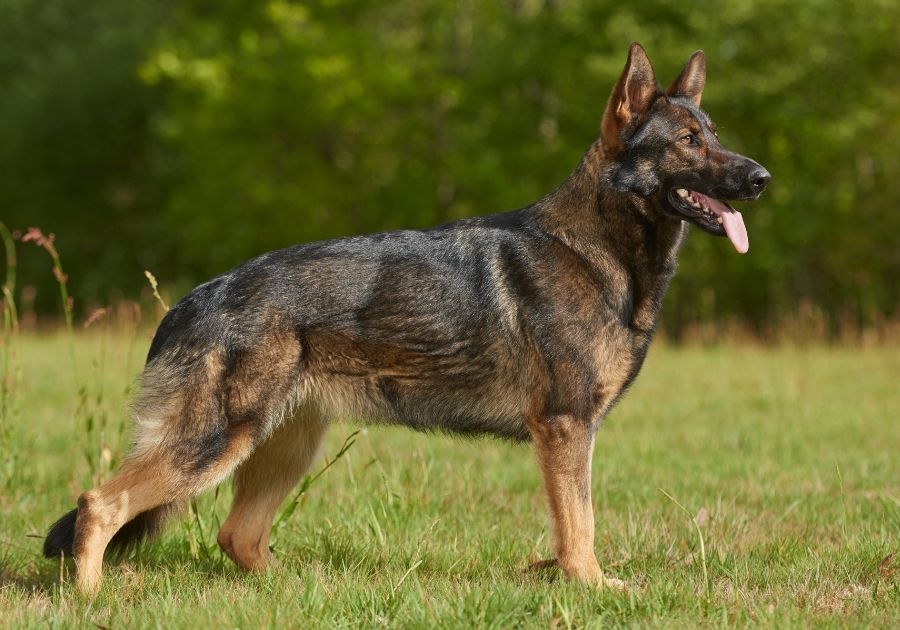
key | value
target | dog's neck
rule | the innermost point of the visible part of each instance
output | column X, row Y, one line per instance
column 618, row 233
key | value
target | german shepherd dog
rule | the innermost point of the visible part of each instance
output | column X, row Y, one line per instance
column 527, row 325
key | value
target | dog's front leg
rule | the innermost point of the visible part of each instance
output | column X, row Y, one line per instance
column 564, row 447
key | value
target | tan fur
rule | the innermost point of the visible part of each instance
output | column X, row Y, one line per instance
column 564, row 447
column 263, row 481
column 141, row 484
column 144, row 482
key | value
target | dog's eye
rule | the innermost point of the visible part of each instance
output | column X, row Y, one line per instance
column 689, row 139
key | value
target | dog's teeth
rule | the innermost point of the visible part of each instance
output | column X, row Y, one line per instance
column 720, row 220
column 682, row 192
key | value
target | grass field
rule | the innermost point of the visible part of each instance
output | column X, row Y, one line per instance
column 786, row 461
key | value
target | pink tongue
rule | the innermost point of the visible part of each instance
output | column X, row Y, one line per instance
column 732, row 221
column 736, row 231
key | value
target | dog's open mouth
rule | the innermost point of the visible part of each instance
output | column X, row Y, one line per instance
column 715, row 216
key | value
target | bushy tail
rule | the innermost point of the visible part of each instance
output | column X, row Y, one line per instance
column 145, row 525
column 61, row 536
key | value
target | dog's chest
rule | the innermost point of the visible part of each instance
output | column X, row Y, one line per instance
column 616, row 336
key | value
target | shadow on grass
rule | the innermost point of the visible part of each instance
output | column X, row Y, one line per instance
column 44, row 575
column 343, row 556
column 41, row 580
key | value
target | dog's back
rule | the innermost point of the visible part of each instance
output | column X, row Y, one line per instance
column 421, row 328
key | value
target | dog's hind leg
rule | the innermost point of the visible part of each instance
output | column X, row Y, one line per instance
column 198, row 417
column 186, row 440
column 263, row 481
column 147, row 485
column 141, row 485
column 564, row 447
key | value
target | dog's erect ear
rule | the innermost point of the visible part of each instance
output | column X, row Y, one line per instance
column 631, row 97
column 690, row 82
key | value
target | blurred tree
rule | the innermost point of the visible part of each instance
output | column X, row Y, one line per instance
column 258, row 125
column 75, row 141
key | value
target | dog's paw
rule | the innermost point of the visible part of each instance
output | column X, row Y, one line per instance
column 614, row 584
column 594, row 576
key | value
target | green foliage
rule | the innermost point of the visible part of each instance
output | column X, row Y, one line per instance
column 75, row 140
column 188, row 139
column 10, row 373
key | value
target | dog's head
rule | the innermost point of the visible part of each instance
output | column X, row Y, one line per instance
column 662, row 146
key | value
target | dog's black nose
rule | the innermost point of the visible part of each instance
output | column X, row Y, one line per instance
column 759, row 178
